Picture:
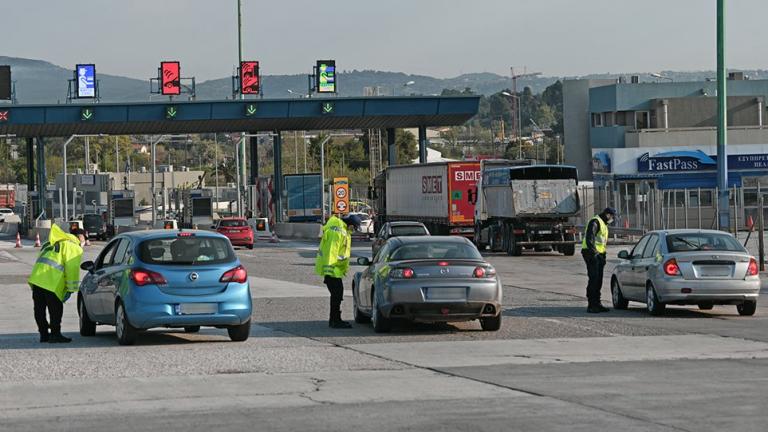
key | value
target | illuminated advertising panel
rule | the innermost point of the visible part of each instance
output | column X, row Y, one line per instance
column 249, row 77
column 170, row 78
column 85, row 80
column 326, row 76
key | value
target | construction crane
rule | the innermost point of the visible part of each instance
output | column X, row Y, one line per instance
column 516, row 106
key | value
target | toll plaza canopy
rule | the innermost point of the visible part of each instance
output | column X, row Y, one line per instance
column 251, row 115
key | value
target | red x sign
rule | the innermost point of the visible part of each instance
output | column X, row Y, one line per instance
column 3, row 115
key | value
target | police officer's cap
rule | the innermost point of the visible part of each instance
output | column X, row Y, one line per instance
column 610, row 211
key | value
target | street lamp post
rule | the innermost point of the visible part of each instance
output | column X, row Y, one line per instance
column 722, row 123
column 516, row 101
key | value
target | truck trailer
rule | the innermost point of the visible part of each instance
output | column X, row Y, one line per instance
column 440, row 195
column 526, row 207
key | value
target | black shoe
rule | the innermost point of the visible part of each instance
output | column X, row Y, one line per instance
column 339, row 324
column 44, row 337
column 57, row 338
column 597, row 309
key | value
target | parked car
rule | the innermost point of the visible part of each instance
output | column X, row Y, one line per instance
column 429, row 279
column 160, row 278
column 237, row 230
column 4, row 212
column 398, row 229
column 95, row 226
column 687, row 267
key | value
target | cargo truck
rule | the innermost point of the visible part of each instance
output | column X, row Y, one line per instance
column 304, row 201
column 440, row 195
column 526, row 207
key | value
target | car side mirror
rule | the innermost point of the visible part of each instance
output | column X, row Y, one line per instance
column 624, row 255
column 363, row 261
column 88, row 266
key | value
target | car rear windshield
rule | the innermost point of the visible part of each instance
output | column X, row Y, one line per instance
column 186, row 251
column 702, row 242
column 232, row 223
column 92, row 219
column 436, row 250
column 405, row 231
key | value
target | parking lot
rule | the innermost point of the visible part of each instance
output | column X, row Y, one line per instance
column 703, row 369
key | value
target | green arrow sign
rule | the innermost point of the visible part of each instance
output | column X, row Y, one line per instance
column 250, row 110
column 86, row 114
column 327, row 108
column 171, row 112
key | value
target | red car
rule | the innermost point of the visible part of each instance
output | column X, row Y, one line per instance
column 237, row 231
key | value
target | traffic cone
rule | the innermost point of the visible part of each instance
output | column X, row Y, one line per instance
column 626, row 223
column 274, row 238
column 37, row 240
column 750, row 222
column 18, row 241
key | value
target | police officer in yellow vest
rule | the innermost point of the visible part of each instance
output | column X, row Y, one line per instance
column 593, row 248
column 332, row 261
column 55, row 276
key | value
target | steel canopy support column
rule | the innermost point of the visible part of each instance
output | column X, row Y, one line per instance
column 722, row 123
column 30, row 164
column 422, row 144
column 277, row 144
column 254, row 160
column 391, row 147
column 41, row 180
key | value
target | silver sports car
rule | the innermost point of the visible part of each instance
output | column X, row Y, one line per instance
column 428, row 279
column 687, row 267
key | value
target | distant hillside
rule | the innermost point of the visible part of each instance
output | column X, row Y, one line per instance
column 38, row 81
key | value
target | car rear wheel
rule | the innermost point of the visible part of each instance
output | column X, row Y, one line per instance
column 240, row 333
column 652, row 303
column 87, row 327
column 192, row 329
column 491, row 324
column 381, row 324
column 250, row 246
column 126, row 333
column 619, row 302
column 706, row 306
column 747, row 308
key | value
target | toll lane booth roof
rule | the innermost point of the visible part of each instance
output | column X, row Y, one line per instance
column 251, row 115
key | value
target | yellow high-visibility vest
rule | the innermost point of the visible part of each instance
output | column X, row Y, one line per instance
column 601, row 237
column 57, row 268
column 335, row 249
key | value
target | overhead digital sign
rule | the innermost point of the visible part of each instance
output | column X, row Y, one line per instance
column 326, row 76
column 250, row 80
column 85, row 80
column 5, row 82
column 170, row 78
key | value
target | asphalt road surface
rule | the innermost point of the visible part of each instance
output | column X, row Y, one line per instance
column 551, row 367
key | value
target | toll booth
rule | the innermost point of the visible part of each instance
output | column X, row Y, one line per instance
column 198, row 208
column 121, row 210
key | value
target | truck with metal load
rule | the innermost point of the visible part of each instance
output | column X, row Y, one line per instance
column 440, row 195
column 198, row 208
column 304, row 201
column 526, row 207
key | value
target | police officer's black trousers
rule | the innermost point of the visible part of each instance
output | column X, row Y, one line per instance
column 595, row 265
column 336, row 288
column 44, row 299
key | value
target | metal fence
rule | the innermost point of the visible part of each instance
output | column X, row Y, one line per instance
column 643, row 208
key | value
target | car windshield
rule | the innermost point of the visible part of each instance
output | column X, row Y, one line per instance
column 232, row 223
column 702, row 242
column 408, row 230
column 436, row 250
column 92, row 219
column 186, row 251
column 364, row 216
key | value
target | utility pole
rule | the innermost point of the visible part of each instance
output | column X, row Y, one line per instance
column 723, row 209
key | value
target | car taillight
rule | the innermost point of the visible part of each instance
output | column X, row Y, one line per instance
column 671, row 268
column 404, row 273
column 753, row 270
column 443, row 263
column 483, row 272
column 236, row 275
column 145, row 277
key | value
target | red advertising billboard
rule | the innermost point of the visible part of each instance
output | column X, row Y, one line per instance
column 462, row 185
column 250, row 80
column 170, row 78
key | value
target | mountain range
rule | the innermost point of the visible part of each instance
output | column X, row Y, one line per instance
column 41, row 82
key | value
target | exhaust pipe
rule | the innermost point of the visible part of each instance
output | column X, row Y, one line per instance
column 398, row 310
column 489, row 309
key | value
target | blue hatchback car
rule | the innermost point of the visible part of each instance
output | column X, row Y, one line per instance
column 164, row 278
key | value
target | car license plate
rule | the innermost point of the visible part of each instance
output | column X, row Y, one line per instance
column 198, row 308
column 713, row 271
column 545, row 232
column 446, row 293
column 234, row 231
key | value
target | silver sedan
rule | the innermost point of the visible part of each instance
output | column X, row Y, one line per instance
column 687, row 267
column 427, row 279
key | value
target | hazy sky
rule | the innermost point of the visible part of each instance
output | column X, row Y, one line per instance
column 442, row 38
